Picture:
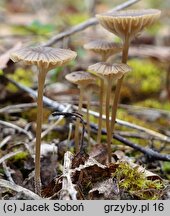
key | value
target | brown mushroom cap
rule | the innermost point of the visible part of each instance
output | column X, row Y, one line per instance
column 80, row 78
column 46, row 57
column 128, row 23
column 104, row 48
column 106, row 70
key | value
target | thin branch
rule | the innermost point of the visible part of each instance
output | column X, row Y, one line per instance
column 150, row 132
column 17, row 188
column 5, row 141
column 17, row 107
column 60, row 107
column 21, row 130
column 150, row 153
column 86, row 24
column 68, row 190
column 9, row 155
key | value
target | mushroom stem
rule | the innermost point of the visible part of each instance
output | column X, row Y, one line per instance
column 118, row 86
column 100, row 110
column 78, row 120
column 109, row 87
column 41, row 81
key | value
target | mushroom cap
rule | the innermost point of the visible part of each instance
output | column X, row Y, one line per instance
column 104, row 48
column 106, row 70
column 80, row 78
column 46, row 57
column 128, row 23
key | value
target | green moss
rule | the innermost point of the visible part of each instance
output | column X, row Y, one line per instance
column 22, row 76
column 152, row 103
column 74, row 19
column 135, row 182
column 20, row 156
column 145, row 77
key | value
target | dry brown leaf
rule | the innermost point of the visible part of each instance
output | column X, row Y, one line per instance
column 107, row 189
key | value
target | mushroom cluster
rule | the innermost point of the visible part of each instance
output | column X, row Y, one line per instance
column 126, row 25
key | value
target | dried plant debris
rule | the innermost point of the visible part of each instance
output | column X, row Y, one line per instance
column 93, row 180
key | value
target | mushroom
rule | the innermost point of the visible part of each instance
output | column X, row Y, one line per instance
column 126, row 25
column 109, row 72
column 105, row 49
column 45, row 58
column 82, row 79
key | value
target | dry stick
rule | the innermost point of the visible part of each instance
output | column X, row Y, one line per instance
column 150, row 153
column 41, row 81
column 5, row 141
column 60, row 107
column 51, row 127
column 68, row 191
column 17, row 188
column 86, row 24
column 9, row 155
column 21, row 130
column 17, row 107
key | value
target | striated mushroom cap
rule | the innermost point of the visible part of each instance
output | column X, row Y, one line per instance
column 80, row 78
column 103, row 48
column 106, row 70
column 128, row 23
column 46, row 57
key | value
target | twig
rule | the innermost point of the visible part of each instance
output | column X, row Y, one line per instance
column 147, row 151
column 152, row 133
column 5, row 141
column 17, row 188
column 145, row 109
column 68, row 189
column 17, row 107
column 8, row 172
column 48, row 102
column 44, row 133
column 9, row 155
column 60, row 107
column 86, row 24
column 21, row 130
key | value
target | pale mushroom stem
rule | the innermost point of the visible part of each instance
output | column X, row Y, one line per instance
column 118, row 86
column 41, row 81
column 100, row 110
column 108, row 96
column 104, row 59
column 78, row 120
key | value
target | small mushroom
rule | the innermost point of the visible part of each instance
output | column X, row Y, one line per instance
column 45, row 58
column 109, row 73
column 103, row 48
column 82, row 79
column 126, row 25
